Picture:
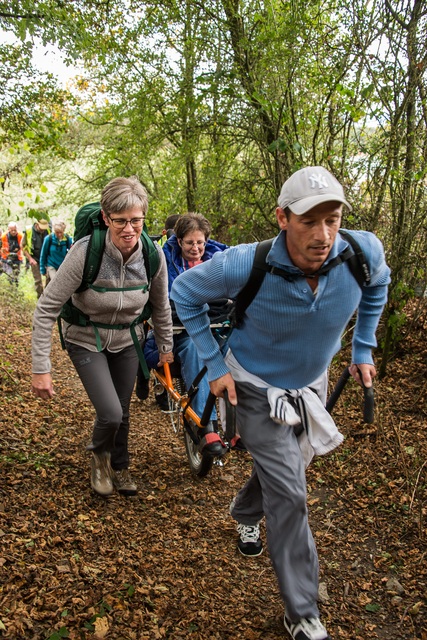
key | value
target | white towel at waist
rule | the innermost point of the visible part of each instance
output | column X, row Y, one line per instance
column 320, row 435
column 322, row 432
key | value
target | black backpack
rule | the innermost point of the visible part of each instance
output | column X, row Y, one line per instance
column 352, row 254
column 89, row 222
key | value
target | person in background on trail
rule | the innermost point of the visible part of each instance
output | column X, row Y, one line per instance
column 11, row 252
column 32, row 243
column 289, row 334
column 55, row 247
column 108, row 375
column 142, row 388
column 168, row 231
column 189, row 247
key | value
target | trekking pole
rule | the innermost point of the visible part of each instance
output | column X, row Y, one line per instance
column 368, row 396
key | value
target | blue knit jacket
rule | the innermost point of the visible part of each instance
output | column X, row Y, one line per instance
column 289, row 335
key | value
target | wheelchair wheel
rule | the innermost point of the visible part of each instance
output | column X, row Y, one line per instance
column 200, row 464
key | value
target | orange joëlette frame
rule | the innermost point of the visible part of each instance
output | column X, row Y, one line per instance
column 165, row 379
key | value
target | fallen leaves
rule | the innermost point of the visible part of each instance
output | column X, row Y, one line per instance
column 164, row 564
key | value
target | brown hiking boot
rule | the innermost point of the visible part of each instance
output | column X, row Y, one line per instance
column 123, row 482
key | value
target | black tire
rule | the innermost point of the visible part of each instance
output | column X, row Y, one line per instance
column 200, row 464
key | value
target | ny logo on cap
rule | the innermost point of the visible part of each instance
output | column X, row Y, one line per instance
column 317, row 180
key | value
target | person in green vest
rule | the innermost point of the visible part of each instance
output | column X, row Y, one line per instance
column 32, row 242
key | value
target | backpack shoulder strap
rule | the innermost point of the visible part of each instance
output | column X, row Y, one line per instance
column 253, row 284
column 357, row 262
column 150, row 255
column 93, row 257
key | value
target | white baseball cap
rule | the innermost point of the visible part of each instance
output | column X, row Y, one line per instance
column 309, row 187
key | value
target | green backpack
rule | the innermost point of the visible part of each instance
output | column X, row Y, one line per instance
column 89, row 222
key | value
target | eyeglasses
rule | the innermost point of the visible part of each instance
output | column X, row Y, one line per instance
column 119, row 223
column 188, row 243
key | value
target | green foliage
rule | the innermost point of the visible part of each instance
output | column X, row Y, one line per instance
column 214, row 105
column 33, row 106
column 57, row 635
column 128, row 591
column 32, row 460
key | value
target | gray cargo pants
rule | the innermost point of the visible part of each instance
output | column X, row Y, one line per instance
column 108, row 379
column 277, row 490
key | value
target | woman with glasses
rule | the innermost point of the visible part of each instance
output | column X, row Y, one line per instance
column 116, row 297
column 190, row 246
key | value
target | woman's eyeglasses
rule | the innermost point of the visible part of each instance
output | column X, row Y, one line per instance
column 199, row 244
column 119, row 223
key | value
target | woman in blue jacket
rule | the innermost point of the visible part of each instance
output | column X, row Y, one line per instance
column 186, row 249
column 54, row 249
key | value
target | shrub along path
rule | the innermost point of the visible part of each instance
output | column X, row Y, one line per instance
column 164, row 564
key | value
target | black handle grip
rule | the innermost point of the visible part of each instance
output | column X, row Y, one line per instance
column 368, row 396
column 368, row 401
column 342, row 381
column 210, row 402
column 368, row 404
column 230, row 418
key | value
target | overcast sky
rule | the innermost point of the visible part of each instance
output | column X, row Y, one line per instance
column 49, row 59
column 46, row 59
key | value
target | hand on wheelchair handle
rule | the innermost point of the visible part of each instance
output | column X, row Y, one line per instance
column 363, row 374
column 222, row 384
column 165, row 357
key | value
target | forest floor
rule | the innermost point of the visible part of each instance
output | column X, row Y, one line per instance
column 164, row 564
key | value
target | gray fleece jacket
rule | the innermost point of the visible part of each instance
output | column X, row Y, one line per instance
column 112, row 307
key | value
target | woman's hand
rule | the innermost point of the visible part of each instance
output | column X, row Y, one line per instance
column 42, row 386
column 165, row 357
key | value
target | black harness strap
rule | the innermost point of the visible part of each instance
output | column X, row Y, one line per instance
column 253, row 284
column 358, row 264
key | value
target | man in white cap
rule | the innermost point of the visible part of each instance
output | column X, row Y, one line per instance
column 32, row 243
column 290, row 332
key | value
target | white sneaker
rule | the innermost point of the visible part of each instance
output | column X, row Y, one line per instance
column 249, row 542
column 306, row 629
